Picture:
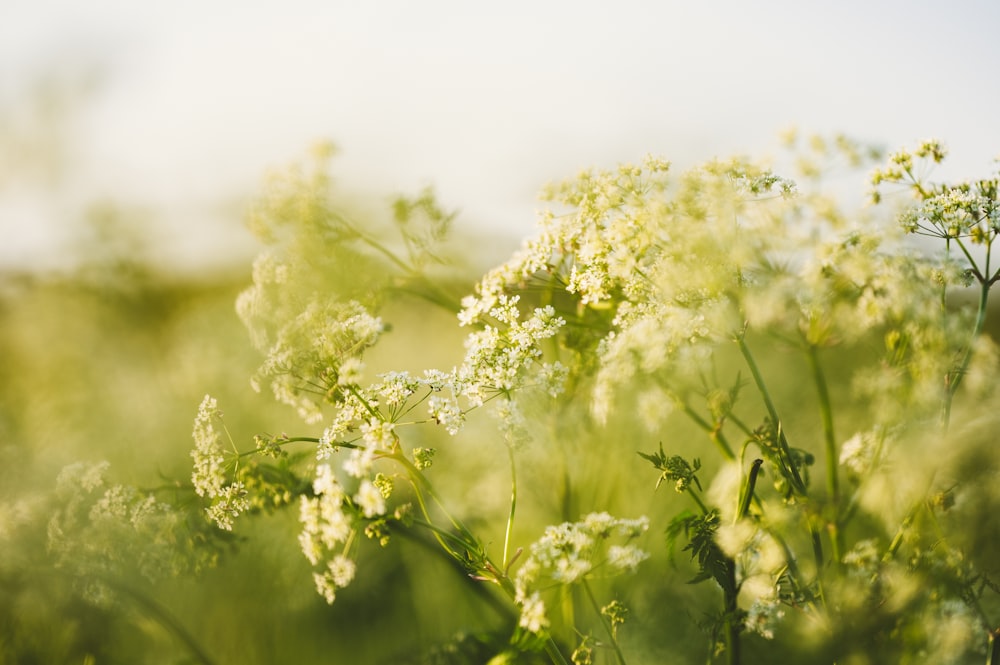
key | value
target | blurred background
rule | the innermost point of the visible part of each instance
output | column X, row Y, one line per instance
column 172, row 112
column 133, row 136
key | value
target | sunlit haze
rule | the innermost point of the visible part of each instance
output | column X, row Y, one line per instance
column 174, row 111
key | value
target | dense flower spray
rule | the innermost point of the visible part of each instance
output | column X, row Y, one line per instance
column 673, row 302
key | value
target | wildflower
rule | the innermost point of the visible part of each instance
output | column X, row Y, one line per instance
column 326, row 586
column 229, row 503
column 627, row 557
column 533, row 617
column 763, row 616
column 569, row 552
column 446, row 412
column 325, row 482
column 512, row 423
column 350, row 372
column 209, row 462
column 396, row 387
column 863, row 559
column 378, row 434
column 616, row 612
column 325, row 525
column 860, row 452
column 360, row 461
column 369, row 499
column 342, row 570
column 423, row 457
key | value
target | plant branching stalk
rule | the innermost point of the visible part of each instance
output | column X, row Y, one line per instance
column 714, row 432
column 731, row 589
column 758, row 378
column 604, row 622
column 793, row 473
column 421, row 485
column 955, row 379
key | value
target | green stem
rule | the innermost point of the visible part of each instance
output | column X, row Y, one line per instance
column 368, row 407
column 513, row 505
column 503, row 609
column 442, row 534
column 555, row 655
column 826, row 414
column 731, row 610
column 697, row 499
column 433, row 294
column 993, row 658
column 830, row 448
column 421, row 485
column 955, row 379
column 793, row 473
column 714, row 431
column 162, row 616
column 604, row 622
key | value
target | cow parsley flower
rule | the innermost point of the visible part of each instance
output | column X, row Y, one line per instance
column 533, row 617
column 446, row 412
column 229, row 503
column 569, row 552
column 209, row 475
column 369, row 499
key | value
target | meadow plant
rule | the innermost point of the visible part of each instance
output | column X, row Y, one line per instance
column 656, row 298
column 818, row 391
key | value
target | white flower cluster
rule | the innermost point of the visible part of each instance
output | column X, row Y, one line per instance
column 497, row 358
column 572, row 551
column 764, row 615
column 669, row 263
column 327, row 527
column 209, row 473
column 861, row 453
column 209, row 477
column 98, row 529
column 760, row 563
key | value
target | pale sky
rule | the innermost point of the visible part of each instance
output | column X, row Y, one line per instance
column 190, row 103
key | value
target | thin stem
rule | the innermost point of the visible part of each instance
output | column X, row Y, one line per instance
column 421, row 483
column 793, row 473
column 758, row 378
column 433, row 295
column 956, row 378
column 714, row 431
column 162, row 616
column 826, row 414
column 731, row 609
column 441, row 534
column 830, row 448
column 368, row 407
column 513, row 505
column 604, row 622
column 503, row 609
column 555, row 655
column 697, row 499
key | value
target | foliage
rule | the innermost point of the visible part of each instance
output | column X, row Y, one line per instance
column 741, row 317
